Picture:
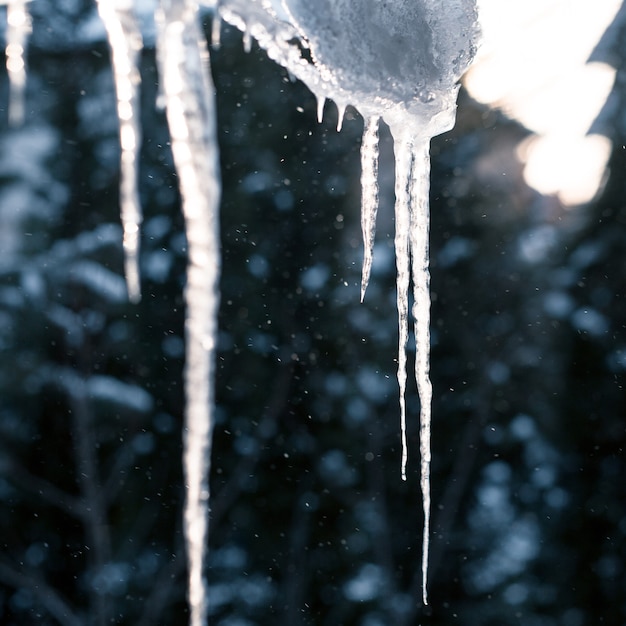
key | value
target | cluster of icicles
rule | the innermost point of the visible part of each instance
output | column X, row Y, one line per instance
column 398, row 61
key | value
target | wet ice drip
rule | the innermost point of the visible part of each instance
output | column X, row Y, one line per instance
column 125, row 42
column 190, row 106
column 400, row 62
column 17, row 32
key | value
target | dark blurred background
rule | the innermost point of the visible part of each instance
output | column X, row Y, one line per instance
column 310, row 520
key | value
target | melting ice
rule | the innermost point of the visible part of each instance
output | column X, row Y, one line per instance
column 400, row 62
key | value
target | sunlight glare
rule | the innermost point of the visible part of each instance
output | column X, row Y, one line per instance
column 534, row 65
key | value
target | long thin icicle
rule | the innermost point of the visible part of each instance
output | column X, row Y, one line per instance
column 190, row 105
column 403, row 160
column 18, row 30
column 126, row 44
column 418, row 233
column 412, row 253
column 369, row 195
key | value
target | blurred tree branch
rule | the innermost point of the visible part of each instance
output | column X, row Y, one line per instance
column 49, row 597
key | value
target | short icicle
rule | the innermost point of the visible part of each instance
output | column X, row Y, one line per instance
column 216, row 27
column 369, row 195
column 126, row 43
column 247, row 41
column 341, row 112
column 18, row 30
column 321, row 101
column 190, row 106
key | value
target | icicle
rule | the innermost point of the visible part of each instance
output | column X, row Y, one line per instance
column 18, row 29
column 403, row 260
column 247, row 40
column 341, row 111
column 125, row 43
column 321, row 101
column 190, row 105
column 369, row 196
column 412, row 253
column 418, row 234
column 216, row 30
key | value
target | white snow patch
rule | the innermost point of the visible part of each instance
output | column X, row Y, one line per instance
column 315, row 277
column 100, row 280
column 114, row 391
column 589, row 320
column 367, row 585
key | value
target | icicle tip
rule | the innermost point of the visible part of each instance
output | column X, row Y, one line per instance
column 321, row 101
column 216, row 31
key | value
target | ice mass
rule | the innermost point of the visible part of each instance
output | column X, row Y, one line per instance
column 398, row 62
